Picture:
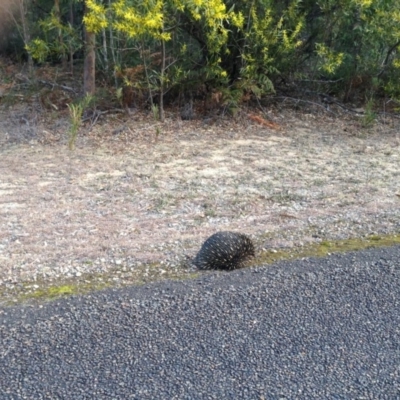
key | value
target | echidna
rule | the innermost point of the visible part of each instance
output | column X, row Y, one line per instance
column 224, row 250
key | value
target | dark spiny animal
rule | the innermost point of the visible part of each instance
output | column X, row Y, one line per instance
column 224, row 250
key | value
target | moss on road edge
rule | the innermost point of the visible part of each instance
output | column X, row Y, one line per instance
column 41, row 291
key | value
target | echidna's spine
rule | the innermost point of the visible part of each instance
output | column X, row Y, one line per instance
column 224, row 250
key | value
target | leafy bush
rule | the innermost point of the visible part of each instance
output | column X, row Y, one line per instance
column 239, row 48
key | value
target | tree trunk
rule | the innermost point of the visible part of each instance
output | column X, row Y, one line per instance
column 89, row 67
column 71, row 21
column 23, row 10
column 57, row 13
column 112, row 48
column 162, row 78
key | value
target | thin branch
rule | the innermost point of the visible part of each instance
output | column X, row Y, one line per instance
column 304, row 101
column 53, row 85
column 385, row 62
column 320, row 81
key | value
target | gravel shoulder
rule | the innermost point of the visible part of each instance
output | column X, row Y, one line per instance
column 139, row 198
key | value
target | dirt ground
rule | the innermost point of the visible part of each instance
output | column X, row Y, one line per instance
column 137, row 192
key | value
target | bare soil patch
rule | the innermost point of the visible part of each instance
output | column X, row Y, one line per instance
column 137, row 193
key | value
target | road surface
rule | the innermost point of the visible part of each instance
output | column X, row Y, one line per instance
column 311, row 329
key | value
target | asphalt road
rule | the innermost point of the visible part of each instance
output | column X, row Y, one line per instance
column 311, row 329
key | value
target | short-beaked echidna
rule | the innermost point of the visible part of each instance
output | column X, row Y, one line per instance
column 224, row 250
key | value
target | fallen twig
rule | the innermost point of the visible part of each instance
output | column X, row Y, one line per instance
column 263, row 121
column 53, row 85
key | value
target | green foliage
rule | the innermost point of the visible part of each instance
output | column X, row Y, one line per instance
column 38, row 49
column 95, row 18
column 58, row 40
column 330, row 61
column 354, row 40
column 156, row 111
column 76, row 112
column 231, row 98
column 266, row 45
column 236, row 47
column 370, row 115
column 138, row 18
